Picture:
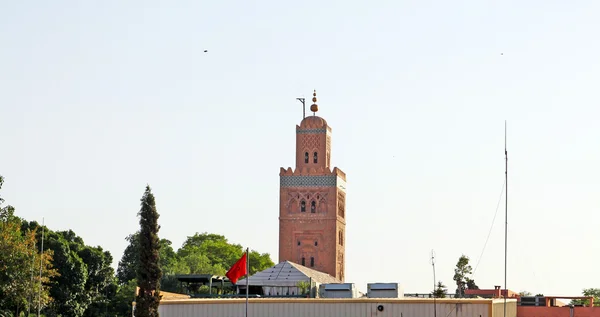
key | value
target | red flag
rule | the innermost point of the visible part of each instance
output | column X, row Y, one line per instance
column 237, row 270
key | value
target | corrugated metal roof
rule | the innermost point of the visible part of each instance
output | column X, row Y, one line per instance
column 287, row 273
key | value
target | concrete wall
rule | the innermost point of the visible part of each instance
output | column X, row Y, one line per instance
column 363, row 307
column 542, row 311
column 511, row 308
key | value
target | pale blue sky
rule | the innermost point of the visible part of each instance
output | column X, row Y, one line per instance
column 98, row 98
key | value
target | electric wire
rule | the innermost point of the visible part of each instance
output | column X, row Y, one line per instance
column 491, row 227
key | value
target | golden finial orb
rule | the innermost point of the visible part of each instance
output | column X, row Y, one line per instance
column 314, row 107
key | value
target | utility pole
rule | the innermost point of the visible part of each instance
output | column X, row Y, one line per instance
column 434, row 283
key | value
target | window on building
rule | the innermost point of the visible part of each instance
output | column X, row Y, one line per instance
column 313, row 206
column 316, row 243
column 303, row 206
column 306, row 157
column 298, row 242
column 303, row 263
column 315, row 157
column 312, row 261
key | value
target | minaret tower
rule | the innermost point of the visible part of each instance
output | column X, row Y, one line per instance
column 312, row 201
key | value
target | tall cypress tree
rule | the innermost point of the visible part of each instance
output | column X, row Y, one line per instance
column 148, row 270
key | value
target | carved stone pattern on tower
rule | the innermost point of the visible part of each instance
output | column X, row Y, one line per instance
column 311, row 142
column 308, row 180
column 341, row 204
column 310, row 131
column 328, row 141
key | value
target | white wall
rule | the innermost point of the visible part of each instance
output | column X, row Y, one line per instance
column 326, row 308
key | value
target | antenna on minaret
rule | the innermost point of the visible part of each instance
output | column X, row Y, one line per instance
column 303, row 101
column 434, row 283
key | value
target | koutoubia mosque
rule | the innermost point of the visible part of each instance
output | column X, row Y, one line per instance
column 312, row 202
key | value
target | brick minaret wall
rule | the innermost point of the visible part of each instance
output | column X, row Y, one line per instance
column 312, row 219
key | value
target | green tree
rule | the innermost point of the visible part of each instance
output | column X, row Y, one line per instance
column 86, row 283
column 220, row 253
column 19, row 267
column 121, row 303
column 69, row 288
column 101, row 284
column 471, row 284
column 303, row 287
column 462, row 274
column 588, row 292
column 20, row 264
column 524, row 293
column 127, row 268
column 440, row 290
column 148, row 270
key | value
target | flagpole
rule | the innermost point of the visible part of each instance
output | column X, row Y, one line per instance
column 247, row 278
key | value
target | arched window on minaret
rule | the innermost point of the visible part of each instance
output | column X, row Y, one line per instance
column 313, row 206
column 312, row 261
column 303, row 262
column 306, row 157
column 315, row 158
column 303, row 206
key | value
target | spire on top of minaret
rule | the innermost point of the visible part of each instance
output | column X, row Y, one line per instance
column 314, row 108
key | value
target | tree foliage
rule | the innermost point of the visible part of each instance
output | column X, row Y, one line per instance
column 440, row 290
column 588, row 292
column 86, row 283
column 524, row 293
column 78, row 281
column 462, row 276
column 127, row 268
column 201, row 253
column 148, row 270
column 220, row 253
column 21, row 285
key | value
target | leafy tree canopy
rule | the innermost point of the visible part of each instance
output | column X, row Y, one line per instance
column 462, row 276
column 19, row 259
column 201, row 253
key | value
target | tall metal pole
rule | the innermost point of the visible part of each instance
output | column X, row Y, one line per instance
column 247, row 278
column 434, row 280
column 41, row 262
column 505, row 216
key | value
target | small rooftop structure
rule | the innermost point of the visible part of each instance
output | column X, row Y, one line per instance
column 384, row 290
column 497, row 292
column 193, row 282
column 284, row 278
column 338, row 290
